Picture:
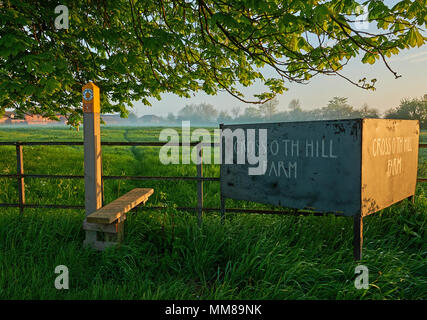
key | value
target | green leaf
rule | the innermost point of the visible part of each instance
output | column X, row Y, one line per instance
column 52, row 85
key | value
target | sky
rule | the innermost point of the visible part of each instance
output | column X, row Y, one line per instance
column 411, row 64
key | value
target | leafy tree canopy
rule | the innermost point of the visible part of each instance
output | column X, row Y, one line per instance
column 136, row 50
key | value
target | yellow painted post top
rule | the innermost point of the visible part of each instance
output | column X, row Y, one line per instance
column 91, row 102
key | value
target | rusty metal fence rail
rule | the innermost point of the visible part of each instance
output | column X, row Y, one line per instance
column 20, row 176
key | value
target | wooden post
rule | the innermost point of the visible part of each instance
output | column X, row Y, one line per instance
column 20, row 172
column 358, row 236
column 92, row 153
column 199, row 183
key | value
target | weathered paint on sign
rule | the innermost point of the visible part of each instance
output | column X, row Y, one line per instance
column 318, row 165
column 389, row 162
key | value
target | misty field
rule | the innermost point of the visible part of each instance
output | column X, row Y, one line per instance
column 166, row 255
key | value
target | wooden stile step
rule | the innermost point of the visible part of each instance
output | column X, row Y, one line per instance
column 115, row 209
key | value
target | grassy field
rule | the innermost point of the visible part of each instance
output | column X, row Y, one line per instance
column 167, row 256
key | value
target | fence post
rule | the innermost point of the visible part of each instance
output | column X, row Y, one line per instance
column 102, row 182
column 199, row 182
column 92, row 153
column 221, row 156
column 358, row 236
column 20, row 172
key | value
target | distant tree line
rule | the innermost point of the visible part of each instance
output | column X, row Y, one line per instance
column 337, row 108
column 413, row 109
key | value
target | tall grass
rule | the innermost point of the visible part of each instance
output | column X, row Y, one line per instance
column 165, row 254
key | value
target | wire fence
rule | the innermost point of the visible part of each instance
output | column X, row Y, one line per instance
column 21, row 176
